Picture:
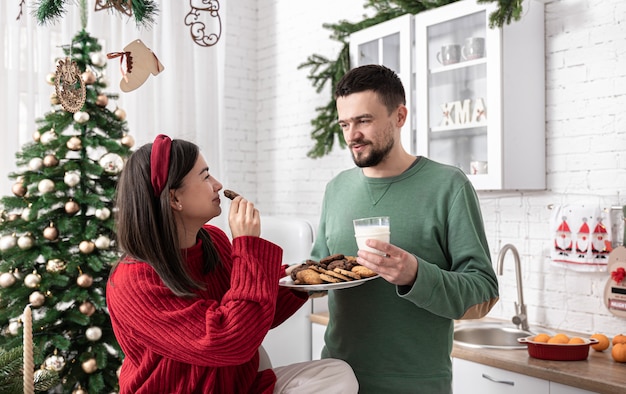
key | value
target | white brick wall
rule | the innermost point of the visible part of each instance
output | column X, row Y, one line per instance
column 270, row 104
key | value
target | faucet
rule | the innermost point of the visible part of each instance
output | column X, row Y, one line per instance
column 520, row 317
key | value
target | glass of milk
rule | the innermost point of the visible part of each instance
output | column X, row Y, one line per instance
column 371, row 228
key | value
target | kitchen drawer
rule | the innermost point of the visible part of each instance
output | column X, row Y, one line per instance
column 558, row 388
column 471, row 377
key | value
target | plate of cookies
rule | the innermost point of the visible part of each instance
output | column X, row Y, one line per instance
column 331, row 273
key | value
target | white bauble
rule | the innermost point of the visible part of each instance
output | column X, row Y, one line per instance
column 25, row 242
column 74, row 143
column 54, row 363
column 112, row 163
column 98, row 59
column 7, row 279
column 103, row 213
column 14, row 327
column 35, row 164
column 36, row 299
column 45, row 186
column 71, row 178
column 103, row 242
column 7, row 242
column 90, row 365
column 120, row 114
column 93, row 333
column 32, row 280
column 81, row 117
column 48, row 137
column 26, row 214
column 55, row 265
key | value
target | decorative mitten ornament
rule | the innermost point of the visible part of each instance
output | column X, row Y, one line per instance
column 140, row 63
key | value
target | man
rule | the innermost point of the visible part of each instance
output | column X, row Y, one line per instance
column 396, row 331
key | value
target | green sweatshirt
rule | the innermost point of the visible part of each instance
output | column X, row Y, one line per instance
column 399, row 339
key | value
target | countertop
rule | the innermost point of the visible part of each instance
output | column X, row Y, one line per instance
column 599, row 373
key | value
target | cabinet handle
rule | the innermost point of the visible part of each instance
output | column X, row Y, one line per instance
column 510, row 383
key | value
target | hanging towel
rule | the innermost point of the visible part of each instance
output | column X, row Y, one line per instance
column 581, row 241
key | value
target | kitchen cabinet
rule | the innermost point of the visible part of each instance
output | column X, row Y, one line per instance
column 476, row 95
column 558, row 388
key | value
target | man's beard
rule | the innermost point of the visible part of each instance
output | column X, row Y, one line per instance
column 374, row 156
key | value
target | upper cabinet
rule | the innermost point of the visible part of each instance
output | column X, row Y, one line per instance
column 476, row 94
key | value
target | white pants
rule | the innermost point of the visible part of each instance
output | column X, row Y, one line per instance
column 328, row 376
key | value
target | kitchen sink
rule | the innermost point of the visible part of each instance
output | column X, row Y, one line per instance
column 490, row 335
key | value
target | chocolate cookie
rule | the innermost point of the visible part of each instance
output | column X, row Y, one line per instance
column 330, row 258
column 230, row 194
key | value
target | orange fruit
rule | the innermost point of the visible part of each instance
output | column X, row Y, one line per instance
column 576, row 340
column 603, row 342
column 619, row 352
column 542, row 337
column 559, row 338
column 619, row 338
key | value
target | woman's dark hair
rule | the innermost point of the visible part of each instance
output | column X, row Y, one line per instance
column 379, row 79
column 146, row 229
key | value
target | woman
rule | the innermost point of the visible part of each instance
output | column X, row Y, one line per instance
column 189, row 309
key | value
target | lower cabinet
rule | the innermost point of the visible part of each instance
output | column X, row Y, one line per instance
column 471, row 377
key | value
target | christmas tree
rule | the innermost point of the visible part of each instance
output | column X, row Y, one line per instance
column 57, row 231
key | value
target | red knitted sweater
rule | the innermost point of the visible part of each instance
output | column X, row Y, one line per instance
column 205, row 344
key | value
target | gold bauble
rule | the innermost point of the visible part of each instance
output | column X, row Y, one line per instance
column 74, row 143
column 36, row 299
column 7, row 279
column 84, row 280
column 45, row 186
column 89, row 366
column 36, row 136
column 32, row 280
column 128, row 141
column 55, row 265
column 120, row 114
column 18, row 189
column 50, row 161
column 89, row 77
column 54, row 99
column 86, row 247
column 25, row 241
column 50, row 233
column 102, row 100
column 87, row 308
column 72, row 207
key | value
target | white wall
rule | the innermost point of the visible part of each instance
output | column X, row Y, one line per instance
column 270, row 104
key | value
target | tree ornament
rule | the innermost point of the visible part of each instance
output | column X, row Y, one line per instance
column 54, row 363
column 103, row 242
column 25, row 241
column 140, row 63
column 7, row 280
column 45, row 186
column 54, row 99
column 74, row 143
column 12, row 217
column 202, row 14
column 35, row 164
column 86, row 247
column 51, row 233
column 102, row 100
column 18, row 189
column 55, row 265
column 47, row 137
column 87, row 308
column 103, row 213
column 88, row 77
column 120, row 114
column 69, row 85
column 14, row 327
column 84, row 280
column 7, row 242
column 36, row 135
column 72, row 207
column 79, row 391
column 26, row 214
column 98, row 59
column 112, row 163
column 128, row 140
column 71, row 178
column 93, row 333
column 50, row 161
column 50, row 78
column 89, row 366
column 81, row 117
column 32, row 280
column 36, row 299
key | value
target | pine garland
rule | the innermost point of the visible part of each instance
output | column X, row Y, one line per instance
column 48, row 11
column 11, row 361
column 323, row 70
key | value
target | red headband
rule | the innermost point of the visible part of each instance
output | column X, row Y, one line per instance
column 160, row 162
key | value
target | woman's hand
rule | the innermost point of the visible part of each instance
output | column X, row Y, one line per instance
column 244, row 218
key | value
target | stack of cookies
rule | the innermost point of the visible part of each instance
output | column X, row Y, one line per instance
column 332, row 269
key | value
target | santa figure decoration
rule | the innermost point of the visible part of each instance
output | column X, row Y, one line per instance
column 582, row 240
column 563, row 238
column 600, row 244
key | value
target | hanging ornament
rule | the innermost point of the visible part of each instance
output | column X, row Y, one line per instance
column 26, row 241
column 55, row 265
column 201, row 15
column 45, row 186
column 84, row 280
column 26, row 214
column 71, row 178
column 103, row 213
column 36, row 299
column 8, row 241
column 54, row 363
column 51, row 233
column 93, row 333
column 140, row 63
column 112, row 163
column 32, row 280
column 86, row 247
column 103, row 242
column 102, row 100
column 50, row 161
column 87, row 308
column 54, row 99
column 128, row 141
column 89, row 366
column 98, row 59
column 35, row 164
column 88, row 77
column 69, row 85
column 120, row 114
column 12, row 217
column 72, row 207
column 7, row 280
column 50, row 78
column 18, row 189
column 47, row 137
column 81, row 117
column 14, row 327
column 36, row 135
column 74, row 143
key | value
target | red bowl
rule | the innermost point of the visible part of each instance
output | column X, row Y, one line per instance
column 558, row 351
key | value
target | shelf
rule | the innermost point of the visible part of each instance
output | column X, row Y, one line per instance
column 473, row 126
column 458, row 66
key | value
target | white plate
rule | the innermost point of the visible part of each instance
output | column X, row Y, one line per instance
column 288, row 282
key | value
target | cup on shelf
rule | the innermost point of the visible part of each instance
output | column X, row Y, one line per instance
column 478, row 167
column 474, row 48
column 449, row 54
column 371, row 228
